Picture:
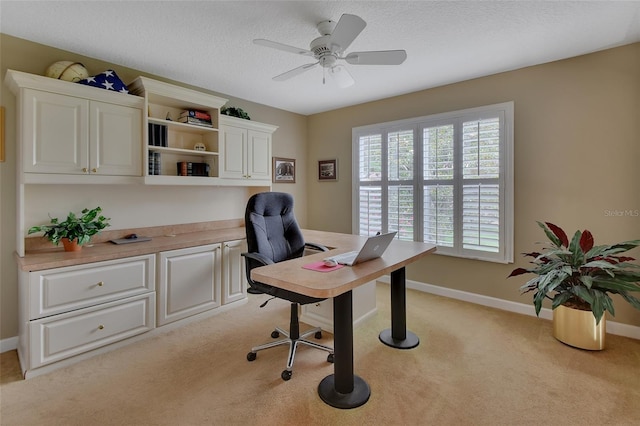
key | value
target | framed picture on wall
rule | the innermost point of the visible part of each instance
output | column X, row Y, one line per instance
column 284, row 170
column 327, row 170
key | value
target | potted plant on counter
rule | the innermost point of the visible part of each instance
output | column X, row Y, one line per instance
column 74, row 231
column 578, row 277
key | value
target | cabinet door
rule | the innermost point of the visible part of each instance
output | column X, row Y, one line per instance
column 321, row 314
column 234, row 278
column 56, row 133
column 233, row 146
column 116, row 140
column 259, row 155
column 189, row 282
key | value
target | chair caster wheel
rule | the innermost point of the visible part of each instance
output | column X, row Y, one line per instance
column 251, row 356
column 318, row 335
column 330, row 358
column 275, row 334
column 286, row 375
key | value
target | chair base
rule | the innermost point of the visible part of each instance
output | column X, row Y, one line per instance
column 293, row 346
column 292, row 338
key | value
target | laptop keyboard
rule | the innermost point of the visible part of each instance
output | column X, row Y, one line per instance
column 346, row 257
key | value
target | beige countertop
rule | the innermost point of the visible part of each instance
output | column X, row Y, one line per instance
column 46, row 256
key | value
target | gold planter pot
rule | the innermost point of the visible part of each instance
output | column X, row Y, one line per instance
column 578, row 328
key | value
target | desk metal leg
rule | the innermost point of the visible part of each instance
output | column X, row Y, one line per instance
column 398, row 336
column 343, row 389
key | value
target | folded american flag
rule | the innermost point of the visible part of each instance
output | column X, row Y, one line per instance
column 108, row 80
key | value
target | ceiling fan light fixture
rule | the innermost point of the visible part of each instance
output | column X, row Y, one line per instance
column 341, row 76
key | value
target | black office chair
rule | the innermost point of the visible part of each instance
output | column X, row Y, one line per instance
column 273, row 236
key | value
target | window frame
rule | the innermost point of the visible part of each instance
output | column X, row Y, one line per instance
column 505, row 112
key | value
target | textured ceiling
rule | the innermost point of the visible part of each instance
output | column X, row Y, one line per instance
column 209, row 43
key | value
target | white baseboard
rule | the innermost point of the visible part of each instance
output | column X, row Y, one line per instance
column 9, row 344
column 613, row 327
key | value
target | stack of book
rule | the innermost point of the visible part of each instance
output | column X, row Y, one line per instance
column 187, row 168
column 199, row 118
column 155, row 165
column 158, row 135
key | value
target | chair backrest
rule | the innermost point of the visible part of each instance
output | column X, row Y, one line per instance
column 271, row 227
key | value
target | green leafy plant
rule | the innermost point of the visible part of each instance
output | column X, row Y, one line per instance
column 579, row 274
column 74, row 227
column 235, row 112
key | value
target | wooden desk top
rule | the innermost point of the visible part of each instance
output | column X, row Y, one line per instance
column 290, row 275
column 165, row 238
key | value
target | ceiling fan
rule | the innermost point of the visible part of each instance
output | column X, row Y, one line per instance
column 329, row 48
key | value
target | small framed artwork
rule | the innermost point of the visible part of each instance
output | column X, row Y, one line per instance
column 328, row 170
column 284, row 170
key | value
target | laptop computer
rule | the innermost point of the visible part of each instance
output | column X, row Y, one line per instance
column 372, row 249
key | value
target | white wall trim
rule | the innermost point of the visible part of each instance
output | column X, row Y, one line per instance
column 9, row 344
column 616, row 328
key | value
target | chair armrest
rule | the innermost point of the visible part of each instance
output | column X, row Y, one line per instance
column 316, row 246
column 258, row 258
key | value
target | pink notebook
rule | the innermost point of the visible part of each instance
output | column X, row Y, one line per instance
column 321, row 267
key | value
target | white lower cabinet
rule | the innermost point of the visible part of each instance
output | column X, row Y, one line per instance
column 68, row 311
column 321, row 314
column 234, row 277
column 188, row 282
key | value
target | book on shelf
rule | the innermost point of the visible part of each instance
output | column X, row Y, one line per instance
column 187, row 168
column 203, row 115
column 158, row 135
column 155, row 165
column 196, row 121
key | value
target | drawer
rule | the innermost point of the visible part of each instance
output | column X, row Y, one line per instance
column 62, row 336
column 59, row 290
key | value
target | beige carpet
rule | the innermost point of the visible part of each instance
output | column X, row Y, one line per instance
column 474, row 366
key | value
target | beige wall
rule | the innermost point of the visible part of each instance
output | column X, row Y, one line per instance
column 121, row 203
column 577, row 156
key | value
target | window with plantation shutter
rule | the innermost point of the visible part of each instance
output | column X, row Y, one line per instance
column 445, row 179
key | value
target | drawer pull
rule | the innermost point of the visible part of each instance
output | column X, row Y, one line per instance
column 100, row 327
column 100, row 284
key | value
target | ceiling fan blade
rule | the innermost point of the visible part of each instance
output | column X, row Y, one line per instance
column 296, row 71
column 382, row 57
column 280, row 46
column 341, row 76
column 346, row 30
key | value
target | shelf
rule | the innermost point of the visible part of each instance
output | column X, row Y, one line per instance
column 203, row 181
column 183, row 127
column 182, row 151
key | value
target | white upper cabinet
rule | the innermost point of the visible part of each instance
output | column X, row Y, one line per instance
column 245, row 150
column 72, row 133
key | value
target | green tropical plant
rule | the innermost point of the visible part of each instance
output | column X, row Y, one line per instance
column 579, row 274
column 235, row 112
column 74, row 227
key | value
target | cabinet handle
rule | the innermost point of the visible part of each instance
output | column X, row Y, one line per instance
column 100, row 327
column 94, row 170
column 100, row 284
column 84, row 170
